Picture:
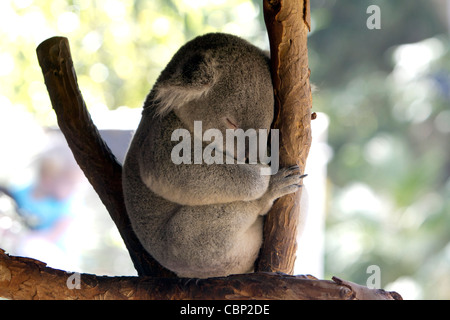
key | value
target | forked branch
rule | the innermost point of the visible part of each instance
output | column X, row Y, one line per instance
column 90, row 151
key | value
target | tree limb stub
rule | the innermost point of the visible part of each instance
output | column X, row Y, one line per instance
column 90, row 151
column 287, row 24
column 25, row 278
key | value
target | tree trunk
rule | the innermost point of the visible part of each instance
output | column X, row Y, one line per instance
column 287, row 22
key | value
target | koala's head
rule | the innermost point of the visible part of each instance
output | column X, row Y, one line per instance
column 218, row 79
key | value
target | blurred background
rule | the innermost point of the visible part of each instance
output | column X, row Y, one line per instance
column 379, row 167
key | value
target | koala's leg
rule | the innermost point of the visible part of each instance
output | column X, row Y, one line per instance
column 213, row 240
column 217, row 240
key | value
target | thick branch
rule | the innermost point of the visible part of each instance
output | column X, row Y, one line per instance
column 90, row 151
column 24, row 278
column 287, row 23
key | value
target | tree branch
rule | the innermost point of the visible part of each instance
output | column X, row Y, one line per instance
column 287, row 24
column 90, row 151
column 25, row 278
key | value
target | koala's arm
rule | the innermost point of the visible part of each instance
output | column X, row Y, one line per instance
column 211, row 185
column 191, row 184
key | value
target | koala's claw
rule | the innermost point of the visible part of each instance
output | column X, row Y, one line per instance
column 286, row 181
column 292, row 171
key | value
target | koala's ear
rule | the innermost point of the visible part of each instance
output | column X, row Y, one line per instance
column 191, row 80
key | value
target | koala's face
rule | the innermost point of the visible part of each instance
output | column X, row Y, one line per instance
column 240, row 98
column 218, row 79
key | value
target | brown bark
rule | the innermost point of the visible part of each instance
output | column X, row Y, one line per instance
column 287, row 23
column 90, row 151
column 25, row 278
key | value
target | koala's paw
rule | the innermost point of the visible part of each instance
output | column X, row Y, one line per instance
column 285, row 181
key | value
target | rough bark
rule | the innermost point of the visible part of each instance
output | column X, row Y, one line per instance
column 25, row 278
column 90, row 151
column 287, row 23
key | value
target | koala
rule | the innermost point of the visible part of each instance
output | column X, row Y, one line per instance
column 204, row 220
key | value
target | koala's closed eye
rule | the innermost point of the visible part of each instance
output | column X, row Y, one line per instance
column 231, row 124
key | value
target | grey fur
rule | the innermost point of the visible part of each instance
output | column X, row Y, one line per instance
column 203, row 220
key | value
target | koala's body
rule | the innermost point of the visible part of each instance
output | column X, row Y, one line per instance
column 203, row 220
